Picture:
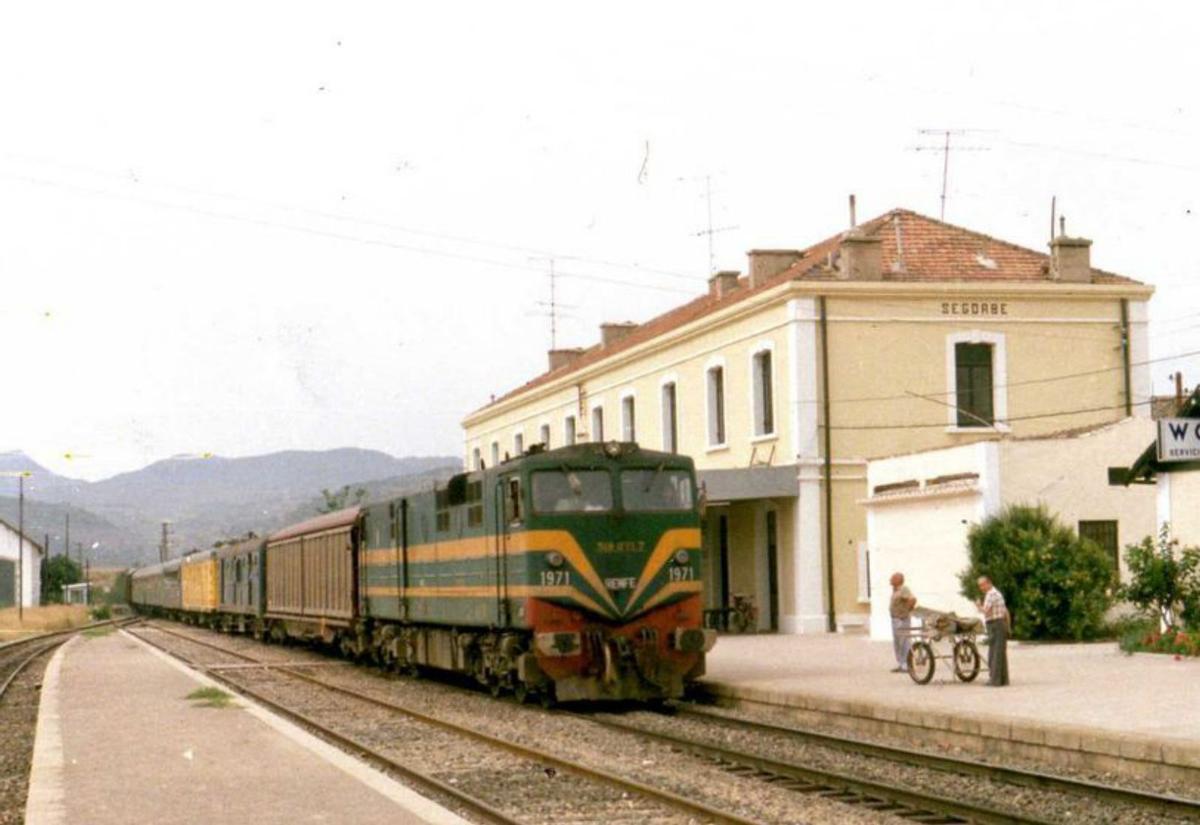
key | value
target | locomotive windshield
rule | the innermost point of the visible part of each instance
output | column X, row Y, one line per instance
column 648, row 490
column 572, row 491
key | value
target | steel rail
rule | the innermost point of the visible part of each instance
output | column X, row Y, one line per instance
column 21, row 643
column 918, row 806
column 37, row 637
column 595, row 774
column 1160, row 803
column 24, row 663
column 368, row 753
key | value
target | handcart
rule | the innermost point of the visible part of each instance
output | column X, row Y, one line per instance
column 938, row 633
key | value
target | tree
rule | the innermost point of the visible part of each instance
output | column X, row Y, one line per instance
column 56, row 573
column 1164, row 580
column 1056, row 585
column 341, row 499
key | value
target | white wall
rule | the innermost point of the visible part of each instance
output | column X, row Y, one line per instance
column 30, row 579
column 923, row 533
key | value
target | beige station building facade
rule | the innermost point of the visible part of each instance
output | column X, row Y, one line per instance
column 900, row 335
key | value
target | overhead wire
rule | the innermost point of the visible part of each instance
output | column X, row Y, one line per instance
column 211, row 213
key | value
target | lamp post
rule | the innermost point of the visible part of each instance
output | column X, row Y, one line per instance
column 20, row 577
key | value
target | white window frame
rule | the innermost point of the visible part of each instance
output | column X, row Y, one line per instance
column 628, row 428
column 999, row 380
column 495, row 454
column 570, row 430
column 596, row 436
column 476, row 459
column 709, row 424
column 518, row 443
column 670, row 379
column 544, row 430
column 756, row 436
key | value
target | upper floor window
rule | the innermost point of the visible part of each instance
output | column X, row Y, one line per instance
column 628, row 424
column 544, row 435
column 518, row 444
column 716, row 406
column 598, row 424
column 764, row 400
column 569, row 430
column 476, row 459
column 973, row 384
column 670, row 418
column 495, row 453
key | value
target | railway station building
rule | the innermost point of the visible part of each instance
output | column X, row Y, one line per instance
column 899, row 335
column 19, row 570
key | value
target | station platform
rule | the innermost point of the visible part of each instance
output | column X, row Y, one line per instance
column 119, row 742
column 1087, row 706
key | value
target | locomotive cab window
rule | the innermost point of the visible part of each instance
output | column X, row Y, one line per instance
column 572, row 491
column 657, row 489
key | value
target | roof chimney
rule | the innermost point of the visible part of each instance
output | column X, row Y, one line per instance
column 767, row 263
column 1071, row 260
column 723, row 283
column 861, row 257
column 613, row 332
column 562, row 357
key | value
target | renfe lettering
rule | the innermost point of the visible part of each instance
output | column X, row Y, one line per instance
column 974, row 308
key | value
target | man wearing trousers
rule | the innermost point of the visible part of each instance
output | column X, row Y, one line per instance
column 995, row 614
column 901, row 607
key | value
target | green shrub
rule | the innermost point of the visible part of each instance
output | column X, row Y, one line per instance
column 1056, row 585
column 1164, row 580
column 102, row 613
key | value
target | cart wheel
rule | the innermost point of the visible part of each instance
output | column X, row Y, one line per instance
column 921, row 662
column 966, row 660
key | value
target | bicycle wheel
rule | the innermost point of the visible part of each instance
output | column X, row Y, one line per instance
column 921, row 662
column 966, row 660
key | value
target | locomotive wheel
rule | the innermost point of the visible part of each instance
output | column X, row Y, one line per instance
column 495, row 687
column 546, row 697
column 921, row 662
column 966, row 660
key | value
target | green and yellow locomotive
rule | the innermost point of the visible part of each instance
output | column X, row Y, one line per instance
column 571, row 574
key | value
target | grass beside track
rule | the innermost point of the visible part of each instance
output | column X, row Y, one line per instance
column 40, row 620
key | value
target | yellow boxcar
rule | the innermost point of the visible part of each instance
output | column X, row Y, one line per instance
column 201, row 583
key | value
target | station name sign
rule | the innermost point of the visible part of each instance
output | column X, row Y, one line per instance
column 984, row 307
column 1179, row 439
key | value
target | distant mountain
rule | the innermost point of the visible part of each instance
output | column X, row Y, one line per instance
column 42, row 521
column 206, row 499
column 42, row 483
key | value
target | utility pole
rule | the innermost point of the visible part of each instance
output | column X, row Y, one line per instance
column 67, row 537
column 164, row 548
column 944, row 148
column 21, row 549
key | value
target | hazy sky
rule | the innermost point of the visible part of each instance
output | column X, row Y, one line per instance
column 241, row 228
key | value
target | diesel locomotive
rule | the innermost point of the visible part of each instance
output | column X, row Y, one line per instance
column 570, row 574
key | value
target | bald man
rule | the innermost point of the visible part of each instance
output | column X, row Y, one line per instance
column 901, row 608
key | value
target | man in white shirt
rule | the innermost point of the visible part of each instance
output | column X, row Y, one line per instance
column 995, row 615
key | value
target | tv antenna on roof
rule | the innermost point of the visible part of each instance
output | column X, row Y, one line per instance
column 944, row 148
column 711, row 230
column 552, row 306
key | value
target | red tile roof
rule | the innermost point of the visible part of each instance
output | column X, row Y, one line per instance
column 915, row 248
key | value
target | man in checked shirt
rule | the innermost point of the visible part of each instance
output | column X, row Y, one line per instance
column 995, row 614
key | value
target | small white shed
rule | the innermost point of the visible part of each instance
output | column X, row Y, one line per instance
column 29, row 579
column 921, row 506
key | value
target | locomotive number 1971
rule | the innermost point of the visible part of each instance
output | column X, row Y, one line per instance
column 680, row 574
column 556, row 578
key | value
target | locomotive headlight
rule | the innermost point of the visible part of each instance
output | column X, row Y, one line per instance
column 554, row 558
column 681, row 557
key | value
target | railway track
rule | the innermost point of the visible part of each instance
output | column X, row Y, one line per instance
column 17, row 655
column 853, row 788
column 648, row 803
column 1163, row 804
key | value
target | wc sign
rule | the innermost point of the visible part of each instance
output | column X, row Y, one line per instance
column 1179, row 439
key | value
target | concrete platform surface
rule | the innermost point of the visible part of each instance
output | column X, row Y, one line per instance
column 1090, row 699
column 119, row 742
